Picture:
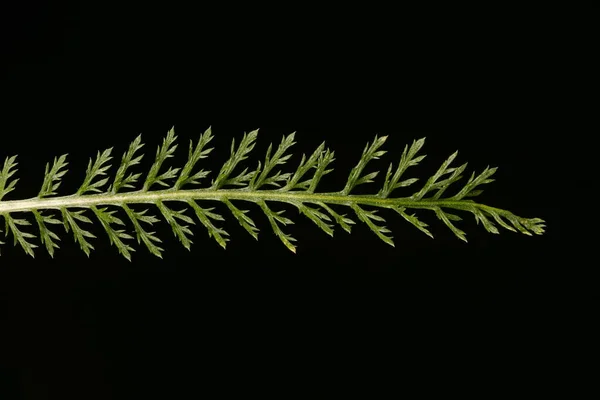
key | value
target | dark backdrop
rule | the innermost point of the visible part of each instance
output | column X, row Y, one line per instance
column 77, row 78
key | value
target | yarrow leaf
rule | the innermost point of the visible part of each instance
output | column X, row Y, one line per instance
column 8, row 170
column 167, row 188
column 47, row 237
column 195, row 154
column 369, row 153
column 95, row 170
column 128, row 160
column 70, row 219
column 53, row 176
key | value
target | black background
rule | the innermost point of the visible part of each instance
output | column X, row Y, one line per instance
column 256, row 318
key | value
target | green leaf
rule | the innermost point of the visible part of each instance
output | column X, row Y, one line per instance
column 500, row 221
column 52, row 176
column 447, row 218
column 116, row 237
column 245, row 221
column 305, row 166
column 324, row 160
column 162, row 154
column 70, row 219
column 441, row 186
column 296, row 187
column 97, row 169
column 205, row 216
column 432, row 183
column 245, row 147
column 368, row 217
column 406, row 160
column 47, row 237
column 241, row 179
column 535, row 225
column 474, row 193
column 19, row 236
column 182, row 232
column 195, row 154
column 278, row 158
column 369, row 153
column 149, row 238
column 342, row 220
column 414, row 220
column 275, row 218
column 7, row 171
column 128, row 161
column 468, row 189
column 319, row 218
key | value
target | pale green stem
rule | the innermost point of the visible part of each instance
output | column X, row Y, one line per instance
column 151, row 197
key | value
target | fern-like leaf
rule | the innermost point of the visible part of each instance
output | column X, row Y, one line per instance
column 80, row 235
column 237, row 155
column 235, row 183
column 107, row 219
column 195, row 154
column 47, row 237
column 53, row 176
column 162, row 154
column 149, row 238
column 96, row 170
column 8, row 170
column 369, row 153
column 408, row 159
column 12, row 225
column 128, row 161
